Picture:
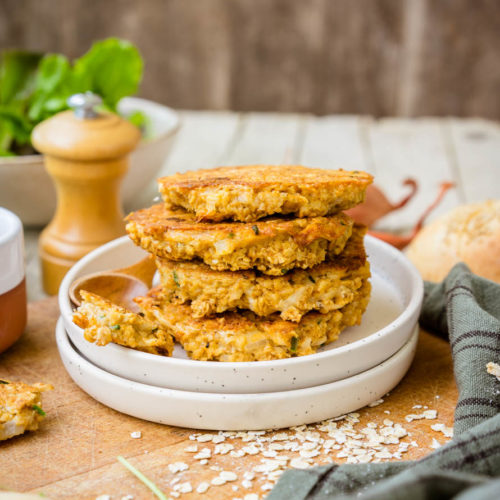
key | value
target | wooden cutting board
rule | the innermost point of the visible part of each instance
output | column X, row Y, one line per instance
column 73, row 455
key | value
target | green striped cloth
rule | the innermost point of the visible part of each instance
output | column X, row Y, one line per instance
column 465, row 309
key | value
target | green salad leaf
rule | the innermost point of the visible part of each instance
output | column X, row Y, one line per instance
column 34, row 87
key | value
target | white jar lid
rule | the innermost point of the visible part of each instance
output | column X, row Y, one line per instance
column 11, row 251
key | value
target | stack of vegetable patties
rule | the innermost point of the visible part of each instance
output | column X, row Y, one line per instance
column 256, row 262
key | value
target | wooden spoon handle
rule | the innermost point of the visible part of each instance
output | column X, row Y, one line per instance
column 144, row 270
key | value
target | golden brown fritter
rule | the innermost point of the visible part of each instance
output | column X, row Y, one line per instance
column 324, row 287
column 20, row 407
column 104, row 322
column 243, row 336
column 273, row 246
column 251, row 192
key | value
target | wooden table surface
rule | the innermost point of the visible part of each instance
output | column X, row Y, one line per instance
column 74, row 453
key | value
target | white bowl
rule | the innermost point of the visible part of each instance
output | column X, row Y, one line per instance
column 27, row 190
column 387, row 325
column 272, row 410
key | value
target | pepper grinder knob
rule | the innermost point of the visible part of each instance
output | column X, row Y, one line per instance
column 84, row 104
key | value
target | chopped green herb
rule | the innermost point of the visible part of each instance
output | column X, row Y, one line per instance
column 141, row 314
column 255, row 229
column 3, row 382
column 176, row 278
column 38, row 410
column 283, row 271
column 231, row 235
column 115, row 327
column 293, row 345
column 311, row 279
column 318, row 322
column 152, row 486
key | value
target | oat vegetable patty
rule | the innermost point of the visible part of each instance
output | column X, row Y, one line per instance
column 104, row 322
column 251, row 192
column 243, row 336
column 20, row 407
column 273, row 245
column 324, row 287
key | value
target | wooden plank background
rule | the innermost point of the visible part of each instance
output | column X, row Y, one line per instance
column 379, row 57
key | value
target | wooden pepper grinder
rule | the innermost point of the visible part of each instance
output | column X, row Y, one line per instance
column 86, row 155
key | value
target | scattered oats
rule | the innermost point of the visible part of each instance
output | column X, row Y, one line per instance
column 136, row 434
column 249, row 475
column 175, row 481
column 435, row 444
column 298, row 463
column 103, row 497
column 175, row 494
column 388, row 422
column 281, row 436
column 192, row 437
column 447, row 431
column 412, row 417
column 204, row 461
column 246, row 483
column 276, row 446
column 425, row 407
column 270, row 453
column 204, row 438
column 493, row 369
column 414, row 444
column 223, row 448
column 202, row 487
column 372, row 425
column 218, row 481
column 437, row 396
column 218, row 439
column 204, row 453
column 267, row 486
column 385, row 453
column 430, row 414
column 191, row 449
column 417, row 407
column 127, row 497
column 251, row 450
column 183, row 487
column 329, row 443
column 177, row 467
column 387, row 412
column 216, row 468
column 376, row 403
column 234, row 487
column 251, row 496
column 228, row 475
column 309, row 453
column 237, row 453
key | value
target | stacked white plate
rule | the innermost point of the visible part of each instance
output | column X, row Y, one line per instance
column 365, row 363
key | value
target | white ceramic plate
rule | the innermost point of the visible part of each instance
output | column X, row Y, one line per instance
column 214, row 411
column 387, row 325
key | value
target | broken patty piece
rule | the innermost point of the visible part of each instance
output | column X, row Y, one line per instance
column 324, row 287
column 248, row 193
column 104, row 322
column 20, row 407
column 243, row 336
column 273, row 246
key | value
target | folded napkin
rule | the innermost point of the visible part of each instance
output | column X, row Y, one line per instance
column 465, row 309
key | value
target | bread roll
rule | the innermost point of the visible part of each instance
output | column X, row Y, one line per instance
column 469, row 233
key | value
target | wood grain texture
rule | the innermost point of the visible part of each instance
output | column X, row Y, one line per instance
column 73, row 454
column 379, row 57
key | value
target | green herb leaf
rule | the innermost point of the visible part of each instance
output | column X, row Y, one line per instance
column 38, row 410
column 255, row 229
column 293, row 344
column 152, row 486
column 115, row 327
column 4, row 382
column 111, row 68
column 176, row 278
column 231, row 235
column 283, row 271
